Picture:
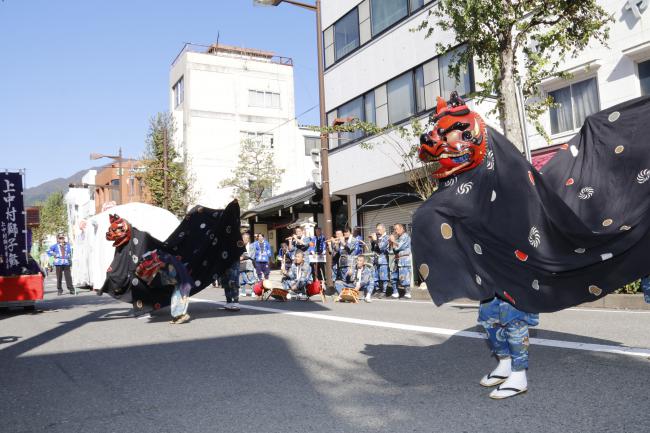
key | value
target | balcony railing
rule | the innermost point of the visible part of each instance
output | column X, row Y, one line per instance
column 234, row 52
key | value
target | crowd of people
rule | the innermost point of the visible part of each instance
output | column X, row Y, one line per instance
column 361, row 266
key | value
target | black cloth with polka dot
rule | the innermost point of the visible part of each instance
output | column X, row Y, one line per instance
column 548, row 240
column 208, row 242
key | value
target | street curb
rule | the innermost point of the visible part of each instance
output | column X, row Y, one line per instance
column 611, row 302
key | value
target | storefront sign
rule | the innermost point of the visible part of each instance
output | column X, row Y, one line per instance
column 13, row 238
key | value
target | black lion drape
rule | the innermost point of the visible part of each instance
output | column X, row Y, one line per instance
column 548, row 240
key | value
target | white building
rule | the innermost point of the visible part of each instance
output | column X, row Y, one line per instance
column 380, row 71
column 220, row 95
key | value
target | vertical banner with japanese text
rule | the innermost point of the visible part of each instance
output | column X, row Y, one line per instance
column 13, row 240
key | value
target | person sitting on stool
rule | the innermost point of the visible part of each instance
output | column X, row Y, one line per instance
column 298, row 277
column 359, row 278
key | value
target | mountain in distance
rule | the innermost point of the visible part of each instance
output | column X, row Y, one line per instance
column 40, row 192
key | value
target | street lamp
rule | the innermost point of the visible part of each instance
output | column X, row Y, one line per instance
column 293, row 2
column 324, row 145
column 120, row 161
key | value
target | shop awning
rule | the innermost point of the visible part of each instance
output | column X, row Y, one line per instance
column 283, row 201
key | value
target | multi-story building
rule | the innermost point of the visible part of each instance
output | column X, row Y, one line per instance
column 378, row 70
column 106, row 185
column 221, row 95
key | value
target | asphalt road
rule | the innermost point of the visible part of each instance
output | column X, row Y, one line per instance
column 81, row 364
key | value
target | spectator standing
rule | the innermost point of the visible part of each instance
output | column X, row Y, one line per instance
column 317, row 248
column 645, row 286
column 333, row 248
column 401, row 275
column 284, row 256
column 298, row 276
column 44, row 263
column 347, row 248
column 380, row 246
column 62, row 254
column 247, row 267
column 298, row 242
column 360, row 278
column 262, row 256
column 360, row 243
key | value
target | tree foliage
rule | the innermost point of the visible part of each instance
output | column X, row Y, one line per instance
column 405, row 142
column 255, row 175
column 505, row 37
column 53, row 219
column 179, row 191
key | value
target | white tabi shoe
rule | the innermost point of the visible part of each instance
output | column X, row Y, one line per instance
column 515, row 384
column 499, row 374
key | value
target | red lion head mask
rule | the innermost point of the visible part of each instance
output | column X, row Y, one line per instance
column 149, row 266
column 119, row 231
column 457, row 140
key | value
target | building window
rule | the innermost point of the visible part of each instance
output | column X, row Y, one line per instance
column 447, row 82
column 262, row 99
column 311, row 143
column 258, row 137
column 420, row 103
column 401, row 98
column 574, row 103
column 346, row 34
column 115, row 190
column 416, row 4
column 385, row 13
column 354, row 109
column 178, row 92
column 405, row 96
column 644, row 77
column 369, row 107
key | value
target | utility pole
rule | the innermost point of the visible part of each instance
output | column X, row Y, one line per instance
column 120, row 167
column 324, row 147
column 165, row 180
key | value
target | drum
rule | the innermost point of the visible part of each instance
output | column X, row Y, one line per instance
column 349, row 295
column 314, row 288
column 280, row 294
column 258, row 289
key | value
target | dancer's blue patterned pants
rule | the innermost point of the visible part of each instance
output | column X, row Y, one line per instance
column 507, row 331
column 230, row 283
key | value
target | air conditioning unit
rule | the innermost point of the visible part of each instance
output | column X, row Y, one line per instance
column 315, row 175
column 315, row 157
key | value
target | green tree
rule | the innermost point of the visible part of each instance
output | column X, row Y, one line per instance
column 405, row 142
column 504, row 37
column 53, row 219
column 255, row 175
column 179, row 194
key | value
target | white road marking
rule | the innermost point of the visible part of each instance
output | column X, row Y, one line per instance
column 589, row 347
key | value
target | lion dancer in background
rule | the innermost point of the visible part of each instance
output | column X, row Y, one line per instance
column 172, row 273
column 457, row 130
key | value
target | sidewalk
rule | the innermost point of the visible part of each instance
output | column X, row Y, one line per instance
column 614, row 302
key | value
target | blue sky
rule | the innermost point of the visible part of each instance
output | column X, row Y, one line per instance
column 85, row 76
